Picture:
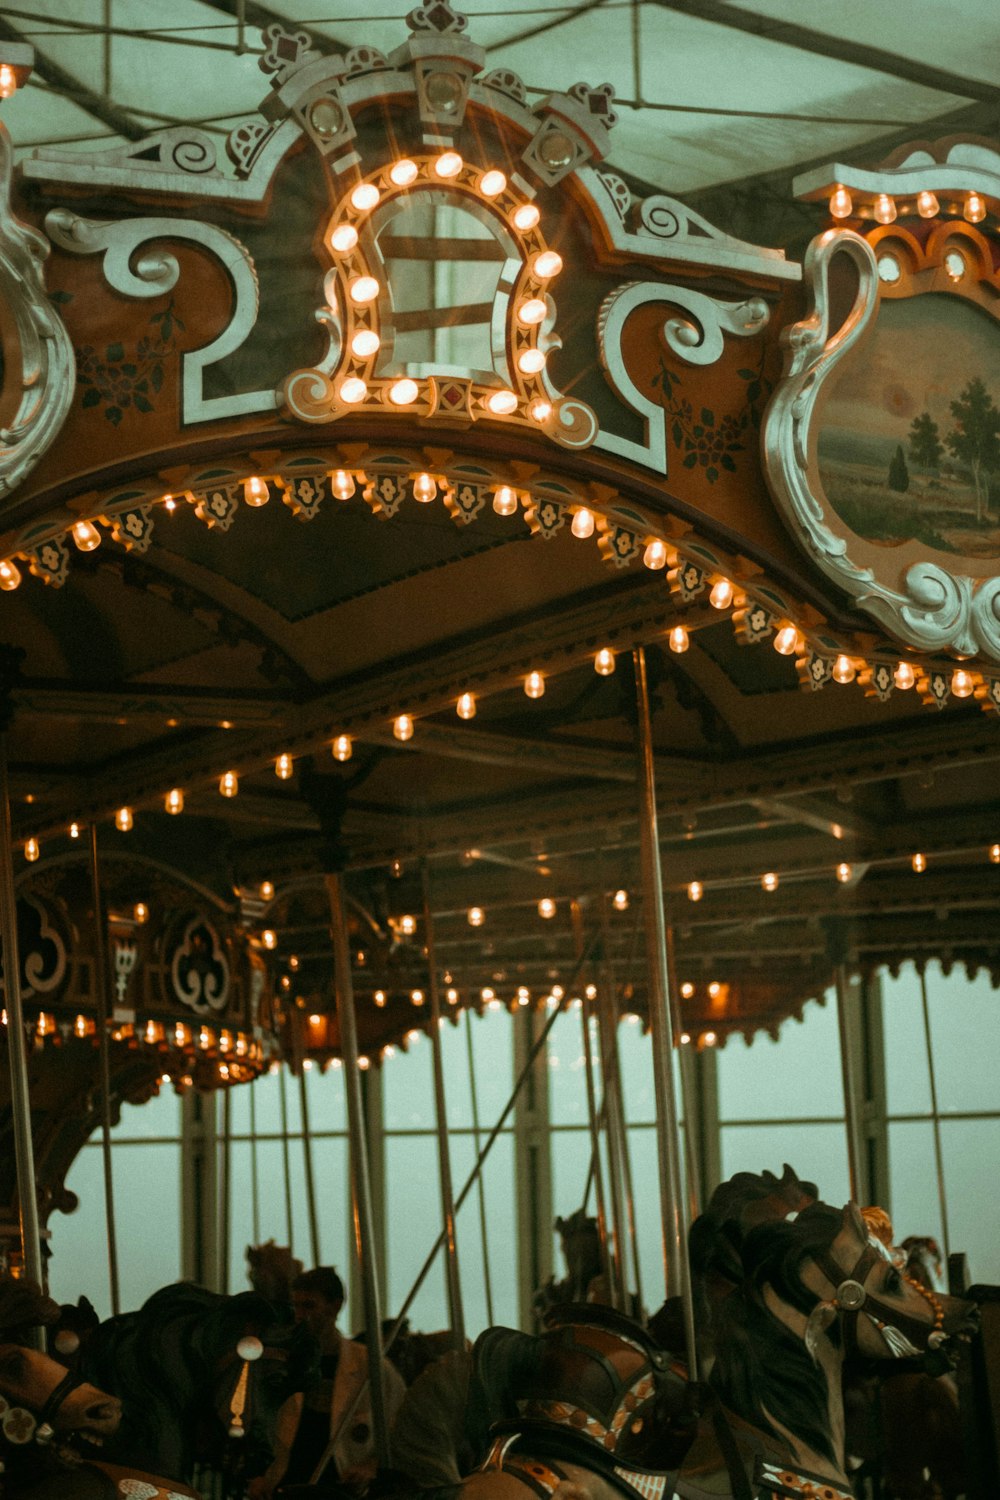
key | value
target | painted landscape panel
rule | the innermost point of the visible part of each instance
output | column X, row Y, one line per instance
column 909, row 440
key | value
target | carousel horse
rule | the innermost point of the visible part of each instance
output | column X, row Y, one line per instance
column 48, row 1419
column 201, row 1377
column 579, row 1241
column 789, row 1285
column 271, row 1269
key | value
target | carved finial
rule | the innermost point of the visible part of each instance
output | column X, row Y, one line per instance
column 285, row 50
column 598, row 101
column 438, row 16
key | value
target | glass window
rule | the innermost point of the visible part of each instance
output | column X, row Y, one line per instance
column 796, row 1077
column 818, row 1153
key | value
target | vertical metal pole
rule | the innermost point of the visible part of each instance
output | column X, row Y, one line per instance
column 107, row 49
column 938, row 1154
column 254, row 1172
column 607, row 1023
column 225, row 1196
column 609, row 1261
column 364, row 1228
column 687, row 1092
column 308, row 1163
column 17, row 1053
column 474, row 1095
column 103, row 1041
column 849, row 1074
column 452, row 1276
column 285, row 1151
column 662, row 1014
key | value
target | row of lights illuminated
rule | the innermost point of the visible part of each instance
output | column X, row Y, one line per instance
column 885, row 210
column 788, row 640
column 844, row 872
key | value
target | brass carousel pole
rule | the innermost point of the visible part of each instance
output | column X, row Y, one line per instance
column 225, row 1196
column 614, row 1120
column 938, row 1152
column 662, row 1015
column 307, row 1159
column 609, row 1259
column 103, row 1040
column 286, row 1155
column 849, row 1074
column 480, row 1184
column 20, row 1100
column 452, row 1276
column 364, row 1224
column 254, row 1172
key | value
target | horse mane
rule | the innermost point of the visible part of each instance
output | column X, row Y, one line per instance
column 23, row 1305
column 761, row 1367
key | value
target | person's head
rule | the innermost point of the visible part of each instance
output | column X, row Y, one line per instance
column 317, row 1297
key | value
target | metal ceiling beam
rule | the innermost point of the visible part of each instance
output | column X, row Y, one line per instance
column 838, row 49
column 548, row 757
column 187, row 706
column 839, row 821
column 262, row 16
column 63, row 82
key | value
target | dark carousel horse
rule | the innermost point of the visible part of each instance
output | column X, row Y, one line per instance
column 788, row 1285
column 201, row 1378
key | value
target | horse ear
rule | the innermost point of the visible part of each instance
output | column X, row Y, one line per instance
column 854, row 1221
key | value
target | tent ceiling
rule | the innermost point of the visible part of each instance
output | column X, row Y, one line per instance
column 692, row 71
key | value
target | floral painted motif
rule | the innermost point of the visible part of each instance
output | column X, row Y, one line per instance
column 117, row 381
column 706, row 440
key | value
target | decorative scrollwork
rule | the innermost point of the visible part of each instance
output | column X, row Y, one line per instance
column 199, row 969
column 155, row 272
column 930, row 608
column 45, row 368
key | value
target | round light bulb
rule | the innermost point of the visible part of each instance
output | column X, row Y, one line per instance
column 547, row 908
column 343, row 749
column 721, row 596
column 769, row 881
column 841, row 206
column 416, row 997
column 424, row 488
column 620, row 901
column 534, row 684
column 975, row 209
column 843, row 670
column 229, row 784
column 10, row 576
column 140, row 912
column 540, row 410
column 365, row 196
column 74, row 830
column 928, row 206
column 531, row 361
column 283, row 767
column 655, row 555
column 256, row 492
column 8, row 80
column 995, row 854
column 466, row 706
column 352, row 390
column 695, row 890
column 403, row 172
column 582, row 524
column 919, row 863
column 549, row 263
column 344, row 238
column 342, row 484
column 505, row 501
column 123, row 819
column 604, row 662
column 402, row 727
column 844, row 872
column 365, row 343
column 174, row 801
column 267, row 890
column 884, row 209
column 532, row 311
column 407, row 925
column 403, row 392
column 962, row 683
column 526, row 217
column 786, row 640
column 363, row 289
column 269, row 938
column 448, row 165
column 31, row 850
column 476, row 916
column 678, row 640
column 502, row 403
column 492, row 183
column 904, row 676
column 86, row 536
column 379, row 997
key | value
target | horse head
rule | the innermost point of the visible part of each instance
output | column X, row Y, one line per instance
column 271, row 1269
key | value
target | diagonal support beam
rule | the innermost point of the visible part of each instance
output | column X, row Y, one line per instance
column 815, row 812
column 63, row 82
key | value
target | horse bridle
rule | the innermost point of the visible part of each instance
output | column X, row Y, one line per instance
column 46, row 1414
column 903, row 1333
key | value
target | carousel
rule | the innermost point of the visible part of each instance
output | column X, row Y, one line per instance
column 446, row 574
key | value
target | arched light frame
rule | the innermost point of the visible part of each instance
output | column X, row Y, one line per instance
column 347, row 379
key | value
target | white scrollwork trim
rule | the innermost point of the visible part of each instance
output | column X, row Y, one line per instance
column 155, row 272
column 47, row 366
column 698, row 339
column 939, row 610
